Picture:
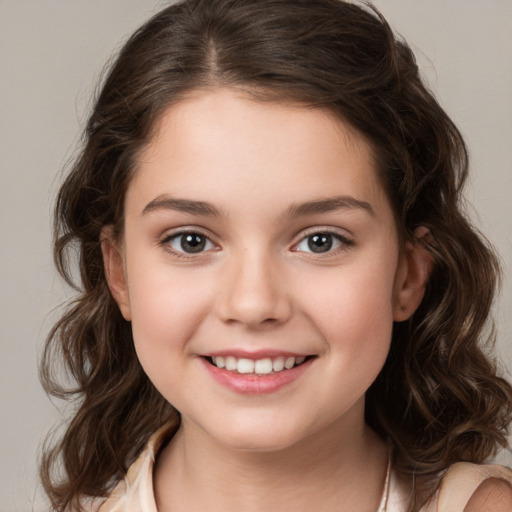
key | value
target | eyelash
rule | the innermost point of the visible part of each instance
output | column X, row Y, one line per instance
column 343, row 242
column 168, row 239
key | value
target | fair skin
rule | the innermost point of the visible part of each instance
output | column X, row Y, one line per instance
column 259, row 233
column 492, row 495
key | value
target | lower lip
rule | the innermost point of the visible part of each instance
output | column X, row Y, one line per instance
column 253, row 384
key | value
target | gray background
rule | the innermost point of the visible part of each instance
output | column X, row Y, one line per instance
column 51, row 55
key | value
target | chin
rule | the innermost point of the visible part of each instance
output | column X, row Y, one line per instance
column 267, row 445
column 259, row 440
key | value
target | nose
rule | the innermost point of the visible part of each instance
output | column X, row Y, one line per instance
column 254, row 293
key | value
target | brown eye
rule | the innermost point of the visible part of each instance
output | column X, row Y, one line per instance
column 190, row 243
column 322, row 242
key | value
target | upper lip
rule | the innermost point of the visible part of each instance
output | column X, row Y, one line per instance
column 255, row 354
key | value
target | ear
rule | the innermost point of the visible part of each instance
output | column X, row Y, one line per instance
column 113, row 262
column 412, row 275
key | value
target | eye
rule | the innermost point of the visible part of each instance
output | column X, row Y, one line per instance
column 322, row 242
column 190, row 242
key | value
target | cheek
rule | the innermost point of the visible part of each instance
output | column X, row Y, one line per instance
column 167, row 307
column 352, row 308
column 362, row 290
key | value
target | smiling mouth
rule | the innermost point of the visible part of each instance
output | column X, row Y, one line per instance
column 265, row 366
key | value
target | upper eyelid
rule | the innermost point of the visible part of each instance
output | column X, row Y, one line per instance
column 346, row 241
column 339, row 232
column 183, row 230
column 298, row 237
column 165, row 243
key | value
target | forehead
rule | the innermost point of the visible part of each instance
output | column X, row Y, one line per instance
column 223, row 144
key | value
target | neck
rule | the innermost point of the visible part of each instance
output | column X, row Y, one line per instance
column 335, row 466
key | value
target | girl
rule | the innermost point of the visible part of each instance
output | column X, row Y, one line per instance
column 281, row 303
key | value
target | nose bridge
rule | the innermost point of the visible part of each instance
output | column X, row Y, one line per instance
column 254, row 292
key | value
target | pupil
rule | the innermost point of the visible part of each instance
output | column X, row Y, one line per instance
column 193, row 242
column 320, row 243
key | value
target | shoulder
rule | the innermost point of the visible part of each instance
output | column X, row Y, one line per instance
column 135, row 490
column 492, row 495
column 476, row 488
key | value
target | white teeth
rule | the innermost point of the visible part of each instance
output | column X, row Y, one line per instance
column 245, row 366
column 289, row 363
column 231, row 363
column 278, row 364
column 261, row 366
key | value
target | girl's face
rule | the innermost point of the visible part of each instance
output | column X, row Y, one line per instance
column 260, row 268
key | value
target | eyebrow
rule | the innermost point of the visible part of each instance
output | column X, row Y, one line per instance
column 165, row 202
column 328, row 205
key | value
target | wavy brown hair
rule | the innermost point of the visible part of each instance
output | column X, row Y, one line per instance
column 438, row 398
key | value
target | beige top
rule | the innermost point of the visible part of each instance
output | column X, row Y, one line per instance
column 135, row 492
